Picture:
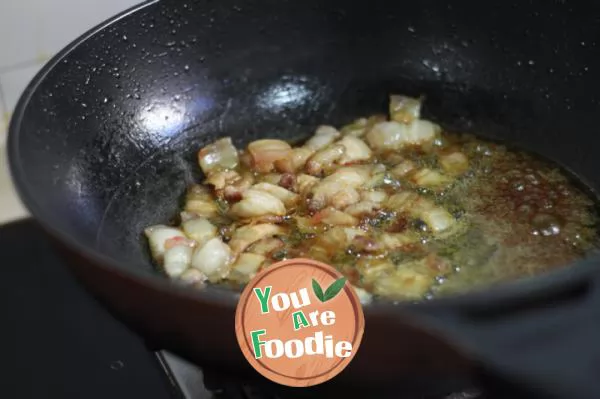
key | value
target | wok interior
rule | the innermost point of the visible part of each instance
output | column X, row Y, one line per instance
column 107, row 141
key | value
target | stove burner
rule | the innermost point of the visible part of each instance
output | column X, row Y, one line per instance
column 194, row 383
column 118, row 365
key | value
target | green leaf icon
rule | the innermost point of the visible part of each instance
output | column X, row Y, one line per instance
column 318, row 290
column 334, row 289
column 330, row 292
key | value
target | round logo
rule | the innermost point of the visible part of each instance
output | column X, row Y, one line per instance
column 299, row 322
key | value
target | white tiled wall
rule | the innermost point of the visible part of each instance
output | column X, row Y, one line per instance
column 31, row 31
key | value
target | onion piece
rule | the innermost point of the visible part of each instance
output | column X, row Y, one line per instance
column 265, row 152
column 158, row 235
column 213, row 259
column 199, row 230
column 219, row 155
column 177, row 260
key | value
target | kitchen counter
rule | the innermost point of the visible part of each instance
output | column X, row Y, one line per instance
column 10, row 206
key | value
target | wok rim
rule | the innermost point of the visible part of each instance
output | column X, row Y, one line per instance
column 525, row 286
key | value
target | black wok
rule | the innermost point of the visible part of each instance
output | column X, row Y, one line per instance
column 102, row 144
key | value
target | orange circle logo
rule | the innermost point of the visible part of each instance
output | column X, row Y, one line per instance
column 299, row 323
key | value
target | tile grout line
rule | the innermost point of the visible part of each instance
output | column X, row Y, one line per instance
column 5, row 111
column 23, row 64
column 3, row 117
column 3, row 105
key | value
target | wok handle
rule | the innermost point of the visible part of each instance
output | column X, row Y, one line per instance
column 545, row 340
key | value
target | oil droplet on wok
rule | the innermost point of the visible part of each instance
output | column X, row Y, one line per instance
column 117, row 365
column 546, row 225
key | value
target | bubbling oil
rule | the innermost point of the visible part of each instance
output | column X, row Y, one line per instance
column 527, row 216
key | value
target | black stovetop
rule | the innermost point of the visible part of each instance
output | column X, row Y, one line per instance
column 61, row 343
